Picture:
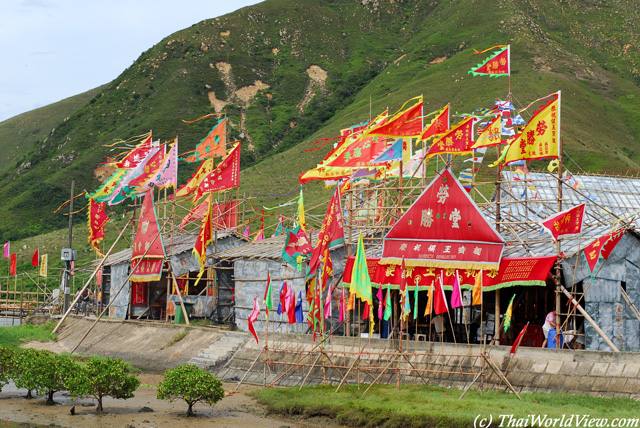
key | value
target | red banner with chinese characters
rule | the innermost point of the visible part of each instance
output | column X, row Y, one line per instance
column 97, row 218
column 458, row 140
column 136, row 155
column 331, row 233
column 602, row 247
column 407, row 123
column 443, row 228
column 360, row 153
column 513, row 271
column 225, row 176
column 139, row 293
column 566, row 224
column 224, row 215
column 147, row 256
column 438, row 125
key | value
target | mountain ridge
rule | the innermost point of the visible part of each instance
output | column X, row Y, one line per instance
column 255, row 62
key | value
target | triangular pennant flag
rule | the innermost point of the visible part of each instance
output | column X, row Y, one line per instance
column 439, row 299
column 429, row 308
column 282, row 298
column 253, row 317
column 456, row 295
column 387, row 306
column 35, row 259
column 508, row 315
column 438, row 125
column 148, row 249
column 211, row 145
column 495, row 65
column 458, row 140
column 268, row 301
column 406, row 123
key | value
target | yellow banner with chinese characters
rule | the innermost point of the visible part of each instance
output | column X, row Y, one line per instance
column 43, row 265
column 539, row 139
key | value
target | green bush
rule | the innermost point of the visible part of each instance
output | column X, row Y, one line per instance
column 191, row 384
column 44, row 372
column 7, row 363
column 104, row 377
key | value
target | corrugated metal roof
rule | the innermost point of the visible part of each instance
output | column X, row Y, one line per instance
column 608, row 201
column 271, row 248
column 182, row 242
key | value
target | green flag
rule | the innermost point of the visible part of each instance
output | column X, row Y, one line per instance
column 415, row 303
column 387, row 306
column 360, row 280
column 507, row 315
column 267, row 295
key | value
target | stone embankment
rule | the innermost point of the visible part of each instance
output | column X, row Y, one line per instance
column 154, row 347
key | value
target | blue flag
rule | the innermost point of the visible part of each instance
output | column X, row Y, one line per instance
column 283, row 292
column 392, row 153
column 299, row 315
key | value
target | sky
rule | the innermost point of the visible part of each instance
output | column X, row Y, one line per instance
column 55, row 49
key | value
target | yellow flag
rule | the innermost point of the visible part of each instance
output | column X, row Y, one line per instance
column 491, row 136
column 427, row 310
column 553, row 165
column 477, row 290
column 43, row 265
column 540, row 137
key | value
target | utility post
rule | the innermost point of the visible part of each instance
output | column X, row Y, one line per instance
column 68, row 255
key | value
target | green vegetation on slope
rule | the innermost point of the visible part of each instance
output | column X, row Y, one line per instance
column 254, row 64
column 13, row 337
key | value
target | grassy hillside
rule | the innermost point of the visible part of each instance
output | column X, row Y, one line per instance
column 257, row 65
column 18, row 134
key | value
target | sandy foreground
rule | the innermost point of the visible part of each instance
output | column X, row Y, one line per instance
column 235, row 410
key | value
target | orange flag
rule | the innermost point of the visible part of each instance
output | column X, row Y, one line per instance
column 212, row 145
column 477, row 290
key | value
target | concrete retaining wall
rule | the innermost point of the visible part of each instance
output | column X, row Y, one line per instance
column 533, row 369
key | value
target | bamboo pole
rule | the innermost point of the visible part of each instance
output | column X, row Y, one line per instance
column 589, row 319
column 116, row 295
column 104, row 259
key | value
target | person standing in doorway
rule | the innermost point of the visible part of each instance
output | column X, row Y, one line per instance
column 549, row 323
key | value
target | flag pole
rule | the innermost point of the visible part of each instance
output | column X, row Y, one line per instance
column 558, row 247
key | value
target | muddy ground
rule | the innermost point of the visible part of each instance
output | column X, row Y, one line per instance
column 237, row 409
column 143, row 411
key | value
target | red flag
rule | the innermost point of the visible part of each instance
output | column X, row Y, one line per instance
column 253, row 317
column 291, row 305
column 602, row 246
column 331, row 233
column 566, row 224
column 439, row 299
column 35, row 259
column 518, row 340
column 13, row 264
column 97, row 220
column 136, row 155
column 497, row 64
column 438, row 125
column 458, row 140
column 407, row 123
column 148, row 254
column 224, row 176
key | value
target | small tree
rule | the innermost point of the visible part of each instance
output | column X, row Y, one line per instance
column 104, row 377
column 191, row 384
column 7, row 364
column 44, row 372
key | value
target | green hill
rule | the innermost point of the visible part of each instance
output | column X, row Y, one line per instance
column 291, row 72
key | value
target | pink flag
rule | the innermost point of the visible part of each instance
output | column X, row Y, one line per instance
column 327, row 304
column 253, row 317
column 456, row 296
column 7, row 253
column 167, row 174
column 380, row 303
column 246, row 232
column 341, row 309
column 290, row 302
